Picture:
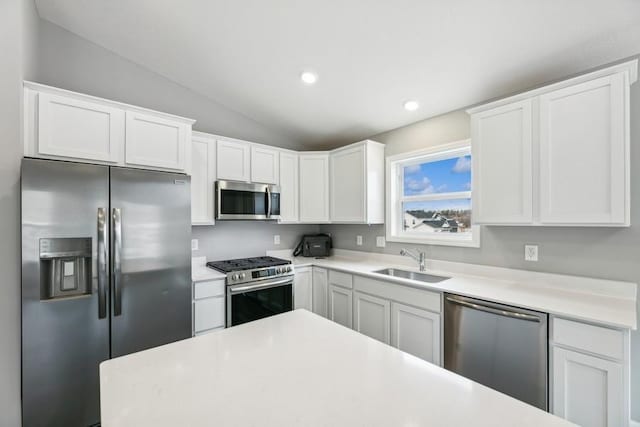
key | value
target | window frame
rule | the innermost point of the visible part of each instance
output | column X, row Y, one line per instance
column 395, row 196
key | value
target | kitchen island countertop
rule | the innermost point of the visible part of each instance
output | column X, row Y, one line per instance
column 297, row 369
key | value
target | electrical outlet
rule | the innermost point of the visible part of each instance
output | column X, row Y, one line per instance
column 276, row 239
column 194, row 244
column 359, row 240
column 531, row 252
column 380, row 242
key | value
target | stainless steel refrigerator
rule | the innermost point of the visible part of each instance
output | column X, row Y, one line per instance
column 106, row 271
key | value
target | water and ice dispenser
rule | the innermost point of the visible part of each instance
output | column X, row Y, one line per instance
column 65, row 267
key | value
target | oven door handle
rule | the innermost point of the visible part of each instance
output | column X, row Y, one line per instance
column 238, row 289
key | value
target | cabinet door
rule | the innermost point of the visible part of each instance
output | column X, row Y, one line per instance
column 340, row 305
column 314, row 188
column 372, row 316
column 587, row 390
column 502, row 165
column 584, row 153
column 208, row 314
column 303, row 292
column 288, row 187
column 76, row 129
column 348, row 188
column 320, row 291
column 233, row 160
column 203, row 165
column 416, row 332
column 265, row 165
column 156, row 142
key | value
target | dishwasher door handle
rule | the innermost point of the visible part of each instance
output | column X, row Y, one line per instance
column 499, row 312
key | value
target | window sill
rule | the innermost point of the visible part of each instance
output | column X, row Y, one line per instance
column 418, row 240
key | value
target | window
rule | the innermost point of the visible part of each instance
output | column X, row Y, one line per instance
column 429, row 197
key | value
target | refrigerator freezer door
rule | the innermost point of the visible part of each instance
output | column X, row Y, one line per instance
column 63, row 336
column 151, row 247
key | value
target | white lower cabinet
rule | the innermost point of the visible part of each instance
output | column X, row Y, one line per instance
column 303, row 289
column 372, row 316
column 208, row 306
column 340, row 305
column 416, row 331
column 588, row 390
column 320, row 284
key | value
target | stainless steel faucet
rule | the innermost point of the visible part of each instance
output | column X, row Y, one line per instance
column 418, row 256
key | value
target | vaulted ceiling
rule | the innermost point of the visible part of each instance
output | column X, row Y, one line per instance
column 371, row 55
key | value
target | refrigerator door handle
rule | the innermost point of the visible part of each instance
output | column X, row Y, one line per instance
column 102, row 264
column 117, row 267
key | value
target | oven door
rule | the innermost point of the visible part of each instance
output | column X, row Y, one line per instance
column 239, row 200
column 252, row 301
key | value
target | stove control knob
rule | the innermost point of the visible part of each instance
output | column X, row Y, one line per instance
column 278, row 270
column 234, row 277
column 242, row 276
column 288, row 269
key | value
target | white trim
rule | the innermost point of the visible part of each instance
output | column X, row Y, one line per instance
column 630, row 68
column 393, row 226
column 39, row 87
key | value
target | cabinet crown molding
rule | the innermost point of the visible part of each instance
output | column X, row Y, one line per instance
column 628, row 67
column 39, row 87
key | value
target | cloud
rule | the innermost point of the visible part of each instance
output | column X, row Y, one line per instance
column 463, row 164
column 412, row 168
column 441, row 188
column 419, row 186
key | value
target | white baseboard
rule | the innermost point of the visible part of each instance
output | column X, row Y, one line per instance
column 633, row 423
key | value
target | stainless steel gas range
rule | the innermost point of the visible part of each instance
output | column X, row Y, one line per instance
column 256, row 287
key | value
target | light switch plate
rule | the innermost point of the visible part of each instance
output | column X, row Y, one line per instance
column 194, row 244
column 531, row 253
column 276, row 239
column 359, row 240
column 381, row 242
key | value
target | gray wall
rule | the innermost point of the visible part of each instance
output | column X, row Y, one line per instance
column 611, row 253
column 238, row 239
column 71, row 62
column 18, row 23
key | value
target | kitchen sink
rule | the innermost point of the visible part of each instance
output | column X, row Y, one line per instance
column 412, row 275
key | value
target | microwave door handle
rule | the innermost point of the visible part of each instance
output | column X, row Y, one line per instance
column 268, row 192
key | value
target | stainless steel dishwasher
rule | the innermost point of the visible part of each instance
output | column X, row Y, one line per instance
column 502, row 347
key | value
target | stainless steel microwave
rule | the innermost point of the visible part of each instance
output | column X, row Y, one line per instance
column 243, row 201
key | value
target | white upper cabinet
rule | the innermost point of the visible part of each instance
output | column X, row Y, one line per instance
column 265, row 164
column 557, row 155
column 70, row 128
column 504, row 188
column 156, row 142
column 203, row 177
column 233, row 160
column 357, row 183
column 314, row 187
column 289, row 187
column 65, row 125
column 584, row 153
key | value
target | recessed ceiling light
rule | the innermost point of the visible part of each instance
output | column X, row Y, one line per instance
column 308, row 77
column 411, row 105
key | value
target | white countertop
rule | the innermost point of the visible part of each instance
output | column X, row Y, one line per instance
column 201, row 273
column 607, row 302
column 296, row 369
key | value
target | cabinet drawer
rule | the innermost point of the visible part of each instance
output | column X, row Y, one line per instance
column 404, row 294
column 208, row 289
column 341, row 279
column 595, row 339
column 208, row 314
